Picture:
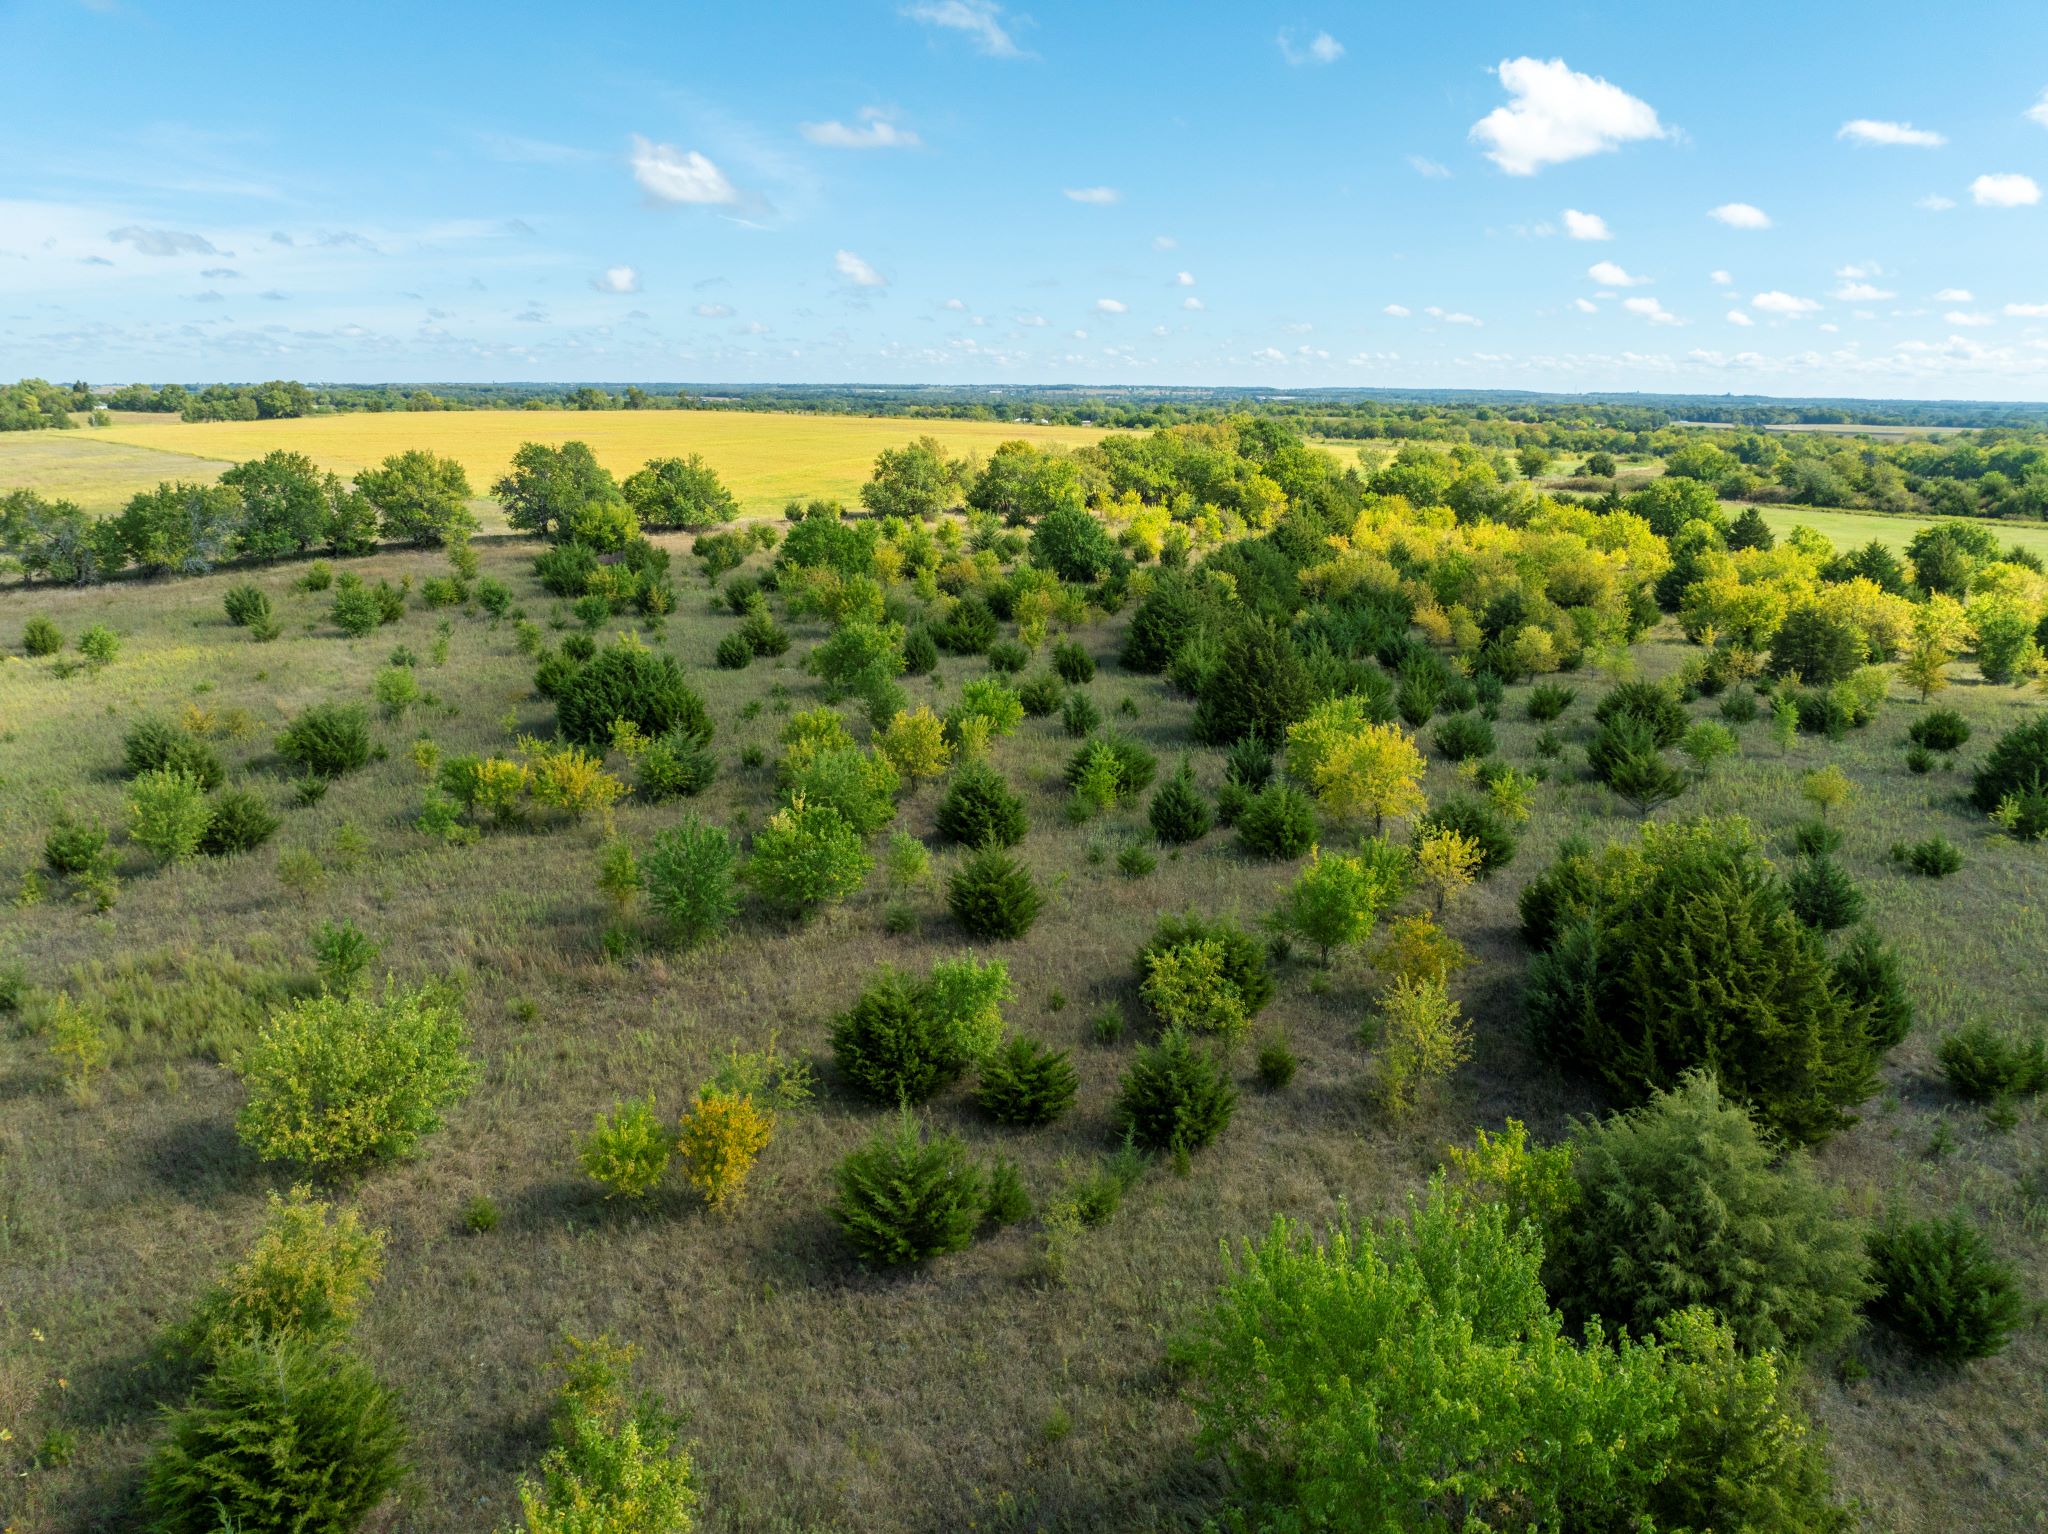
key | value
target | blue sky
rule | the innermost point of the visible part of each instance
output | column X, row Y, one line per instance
column 1795, row 198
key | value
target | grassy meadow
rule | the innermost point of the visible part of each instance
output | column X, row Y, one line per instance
column 766, row 459
column 819, row 1397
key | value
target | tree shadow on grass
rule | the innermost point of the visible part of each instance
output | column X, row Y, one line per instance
column 202, row 1158
column 1182, row 1493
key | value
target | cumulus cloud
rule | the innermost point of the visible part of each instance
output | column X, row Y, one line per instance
column 1165, row 242
column 1191, row 302
column 1862, row 293
column 857, row 271
column 1555, row 114
column 714, row 311
column 1184, row 279
column 1111, row 306
column 1870, row 130
column 1741, row 215
column 2026, row 311
column 1966, row 318
column 1099, row 196
column 1035, row 321
column 954, row 303
column 1586, row 226
column 1720, row 279
column 1428, row 169
column 2005, row 190
column 1954, row 296
column 1651, row 310
column 1936, row 203
column 1398, row 311
column 1775, row 302
column 1737, row 317
column 162, row 242
column 674, row 175
column 876, row 129
column 1585, row 306
column 980, row 20
column 617, row 279
column 1320, row 49
column 2038, row 112
column 1611, row 275
column 1452, row 316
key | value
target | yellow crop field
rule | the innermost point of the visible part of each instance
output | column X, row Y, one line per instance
column 91, row 469
column 765, row 458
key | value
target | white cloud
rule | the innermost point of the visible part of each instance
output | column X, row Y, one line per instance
column 1034, row 321
column 1111, row 306
column 1775, row 302
column 1165, row 242
column 617, row 279
column 2038, row 112
column 1935, row 203
column 1856, row 270
column 1965, row 318
column 980, row 20
column 1862, row 293
column 1451, row 316
column 2005, row 190
column 1610, row 275
column 162, row 242
column 1720, row 279
column 1585, row 306
column 1428, row 169
column 1098, row 195
column 714, row 311
column 1651, row 310
column 1555, row 114
column 1586, row 226
column 1737, row 317
column 1741, row 215
column 1321, row 49
column 857, row 271
column 1191, row 302
column 1954, row 296
column 2027, row 311
column 1269, row 354
column 1184, row 279
column 1869, row 130
column 877, row 130
column 1398, row 311
column 954, row 303
column 675, row 175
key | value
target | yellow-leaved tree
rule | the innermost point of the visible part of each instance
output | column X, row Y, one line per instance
column 1357, row 767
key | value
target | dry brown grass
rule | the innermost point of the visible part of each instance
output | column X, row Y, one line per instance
column 822, row 1397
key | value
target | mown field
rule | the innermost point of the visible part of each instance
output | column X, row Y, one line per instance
column 765, row 459
column 968, row 1395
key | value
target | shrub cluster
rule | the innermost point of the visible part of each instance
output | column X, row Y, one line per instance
column 1940, row 1286
column 1176, row 1097
column 1210, row 976
column 979, row 809
column 335, row 1082
column 1424, row 1319
column 1279, row 821
column 1682, row 950
column 906, row 1198
column 1026, row 1083
column 1682, row 1202
column 993, row 896
column 630, row 682
column 905, row 1039
column 328, row 740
